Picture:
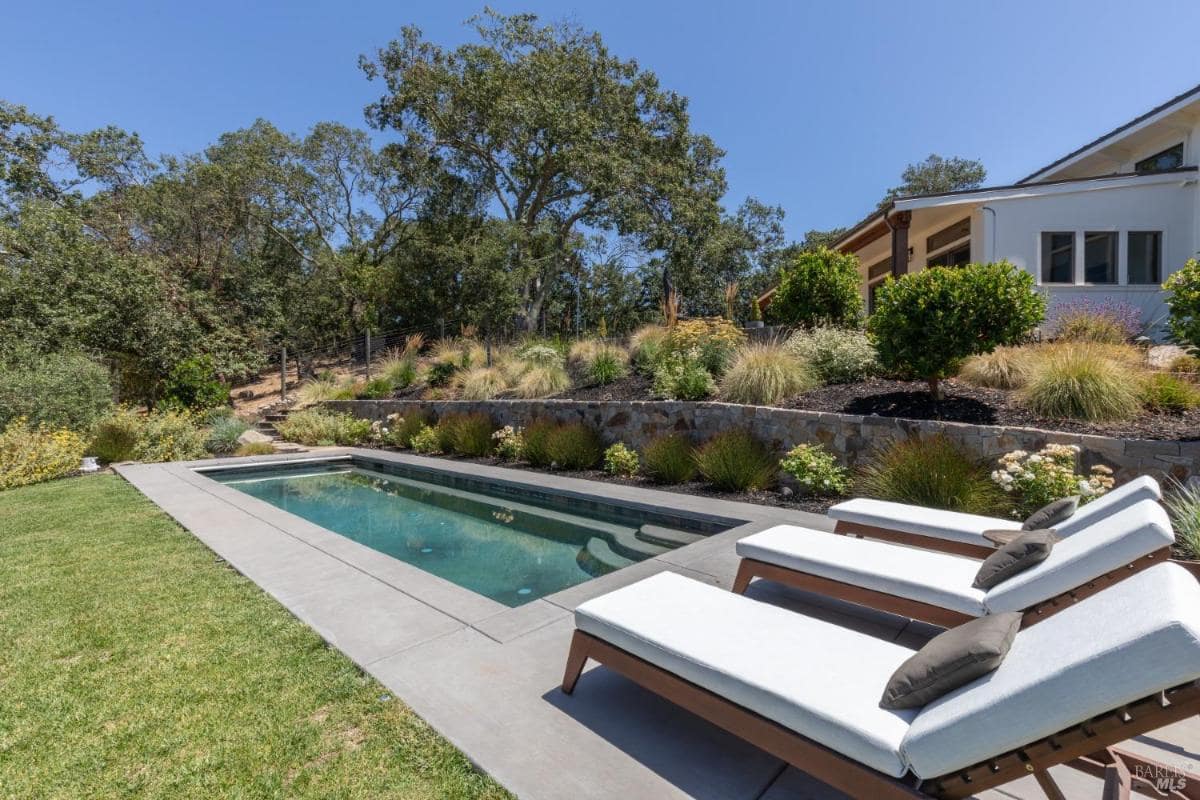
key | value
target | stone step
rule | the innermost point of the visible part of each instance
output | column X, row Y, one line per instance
column 625, row 542
column 667, row 537
column 597, row 558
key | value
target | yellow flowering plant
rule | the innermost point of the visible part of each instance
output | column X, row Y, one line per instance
column 31, row 454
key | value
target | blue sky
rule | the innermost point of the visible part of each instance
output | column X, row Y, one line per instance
column 818, row 106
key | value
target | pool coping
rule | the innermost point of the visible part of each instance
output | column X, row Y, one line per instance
column 210, row 510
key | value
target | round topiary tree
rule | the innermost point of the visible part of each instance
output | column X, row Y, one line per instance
column 927, row 322
column 818, row 287
column 1183, row 300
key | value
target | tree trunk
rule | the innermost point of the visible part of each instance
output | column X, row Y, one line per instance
column 935, row 388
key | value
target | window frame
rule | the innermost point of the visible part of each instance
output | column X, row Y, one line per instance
column 1043, row 258
column 1121, row 238
column 1114, row 236
column 1158, row 266
column 1154, row 156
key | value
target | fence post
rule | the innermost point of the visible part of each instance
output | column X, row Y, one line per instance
column 442, row 323
column 368, row 355
column 283, row 375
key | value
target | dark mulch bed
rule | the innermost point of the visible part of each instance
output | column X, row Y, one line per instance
column 965, row 403
column 632, row 387
column 779, row 497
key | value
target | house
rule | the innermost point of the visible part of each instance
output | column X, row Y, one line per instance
column 1109, row 221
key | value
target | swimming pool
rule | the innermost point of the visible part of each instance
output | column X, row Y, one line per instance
column 508, row 542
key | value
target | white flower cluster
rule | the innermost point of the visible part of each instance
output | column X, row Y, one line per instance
column 510, row 442
column 1048, row 475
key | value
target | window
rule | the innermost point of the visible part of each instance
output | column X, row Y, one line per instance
column 955, row 257
column 1170, row 158
column 1100, row 257
column 1058, row 257
column 1145, row 256
column 948, row 235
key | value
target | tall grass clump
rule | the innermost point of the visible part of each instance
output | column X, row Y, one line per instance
column 1163, row 391
column 836, row 355
column 402, row 429
column 223, row 435
column 317, row 391
column 542, row 381
column 575, row 446
column 1003, row 368
column 1081, row 381
column 116, row 436
column 735, row 461
column 537, row 442
column 764, row 374
column 482, row 383
column 647, row 346
column 935, row 473
column 669, row 459
column 467, row 434
column 1183, row 506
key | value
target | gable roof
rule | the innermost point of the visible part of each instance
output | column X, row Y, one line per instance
column 1164, row 108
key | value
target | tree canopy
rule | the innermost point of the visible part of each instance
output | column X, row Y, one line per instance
column 937, row 174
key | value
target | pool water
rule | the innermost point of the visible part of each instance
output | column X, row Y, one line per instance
column 513, row 550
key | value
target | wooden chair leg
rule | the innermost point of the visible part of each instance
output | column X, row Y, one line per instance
column 1118, row 783
column 744, row 575
column 576, row 660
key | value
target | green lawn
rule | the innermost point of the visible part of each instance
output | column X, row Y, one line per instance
column 135, row 664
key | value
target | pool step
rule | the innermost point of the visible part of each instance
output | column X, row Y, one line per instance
column 667, row 537
column 625, row 542
column 597, row 558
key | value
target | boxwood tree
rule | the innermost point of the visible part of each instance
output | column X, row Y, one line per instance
column 927, row 322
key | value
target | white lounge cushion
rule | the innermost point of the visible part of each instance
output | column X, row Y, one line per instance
column 1134, row 639
column 1127, row 494
column 816, row 678
column 940, row 579
column 1108, row 544
column 952, row 525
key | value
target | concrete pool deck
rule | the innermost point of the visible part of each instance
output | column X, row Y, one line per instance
column 486, row 676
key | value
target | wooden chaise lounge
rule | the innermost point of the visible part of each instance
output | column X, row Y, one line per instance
column 936, row 587
column 1117, row 665
column 962, row 534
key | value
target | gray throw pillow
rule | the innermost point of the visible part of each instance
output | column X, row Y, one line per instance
column 1051, row 514
column 952, row 659
column 1023, row 552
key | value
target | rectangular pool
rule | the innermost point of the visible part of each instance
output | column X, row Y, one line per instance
column 508, row 542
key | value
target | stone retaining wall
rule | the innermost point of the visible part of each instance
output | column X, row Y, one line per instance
column 850, row 437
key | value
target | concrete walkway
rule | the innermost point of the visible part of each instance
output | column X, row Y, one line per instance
column 486, row 676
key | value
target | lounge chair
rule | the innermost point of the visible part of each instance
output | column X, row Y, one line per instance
column 937, row 587
column 1122, row 663
column 955, row 532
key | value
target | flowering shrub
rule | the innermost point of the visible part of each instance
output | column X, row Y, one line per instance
column 509, row 443
column 620, row 460
column 1183, row 300
column 683, row 376
column 838, row 355
column 1108, row 322
column 711, row 341
column 169, row 436
column 1048, row 475
column 34, row 454
column 427, row 441
column 816, row 470
column 313, row 426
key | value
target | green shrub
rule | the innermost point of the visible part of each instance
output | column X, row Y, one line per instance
column 542, row 381
column 1081, row 381
column 764, row 374
column 32, row 454
column 647, row 346
column 116, row 436
column 58, row 390
column 472, row 435
column 255, row 449
column 818, row 287
column 1003, row 368
column 620, row 460
column 537, row 442
column 427, row 441
column 446, row 430
column 926, row 323
column 223, row 435
column 681, row 376
column 935, row 473
column 575, row 446
column 482, row 383
column 836, row 355
column 192, row 385
column 1036, row 479
column 401, row 430
column 313, row 426
column 816, row 470
column 711, row 341
column 509, row 443
column 609, row 366
column 1163, row 391
column 735, row 461
column 169, row 436
column 1183, row 506
column 669, row 459
column 539, row 354
column 1183, row 304
column 440, row 373
column 374, row 389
